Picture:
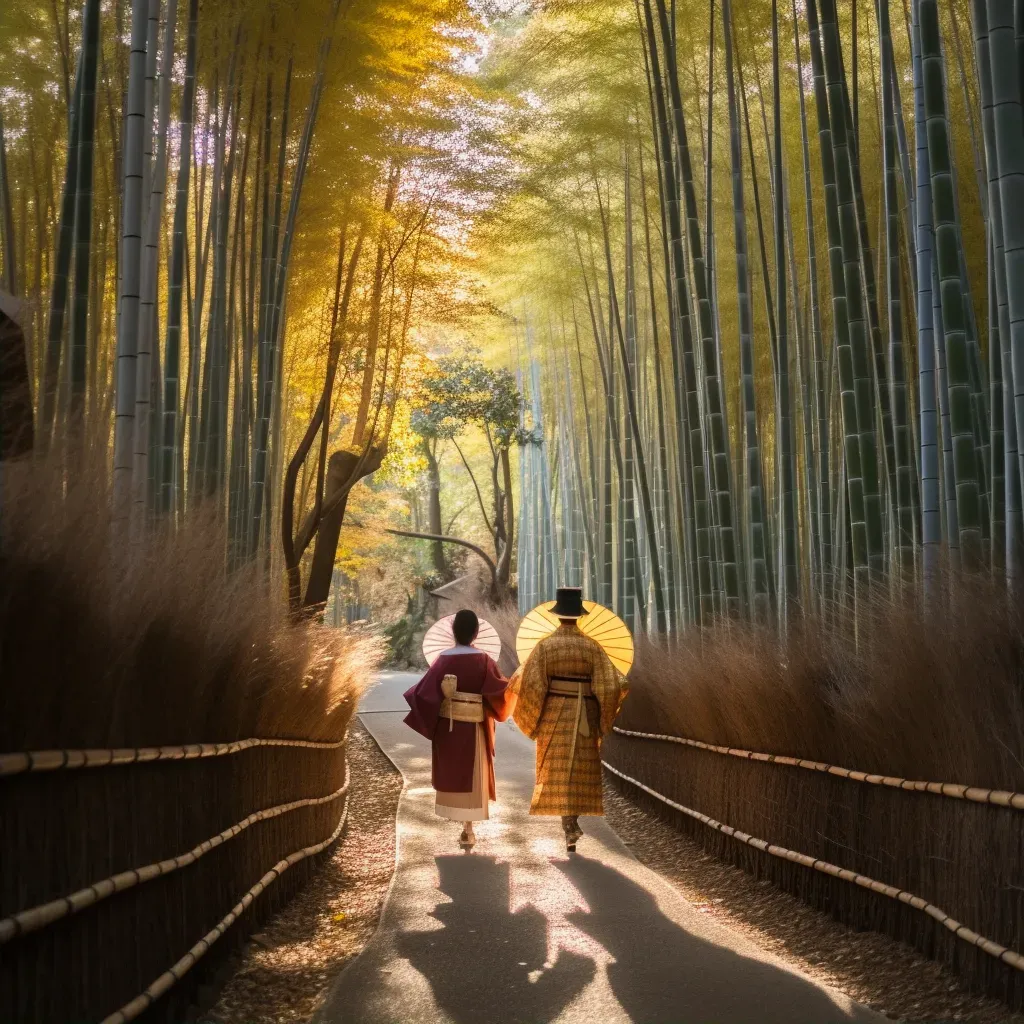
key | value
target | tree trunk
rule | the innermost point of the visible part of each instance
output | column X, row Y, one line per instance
column 434, row 522
column 345, row 469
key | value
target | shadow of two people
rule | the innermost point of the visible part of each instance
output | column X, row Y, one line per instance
column 489, row 964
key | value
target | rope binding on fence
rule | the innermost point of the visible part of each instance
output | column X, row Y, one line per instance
column 1007, row 956
column 975, row 794
column 53, row 760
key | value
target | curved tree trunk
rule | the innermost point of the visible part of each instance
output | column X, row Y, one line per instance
column 345, row 468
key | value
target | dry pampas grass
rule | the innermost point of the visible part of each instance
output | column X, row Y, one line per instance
column 110, row 641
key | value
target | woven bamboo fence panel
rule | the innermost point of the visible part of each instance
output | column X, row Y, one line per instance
column 124, row 887
column 963, row 855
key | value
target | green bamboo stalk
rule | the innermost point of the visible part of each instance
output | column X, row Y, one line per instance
column 10, row 263
column 859, row 372
column 1001, row 376
column 759, row 568
column 997, row 464
column 853, row 520
column 588, row 483
column 663, row 490
column 897, row 381
column 629, row 558
column 170, row 482
column 83, row 222
column 688, row 416
column 130, row 263
column 149, row 279
column 1018, row 23
column 196, row 299
column 265, row 370
column 976, row 152
column 789, row 554
column 1006, row 130
column 627, row 350
column 968, row 504
column 822, row 441
column 716, row 445
column 60, row 273
column 200, row 480
column 218, row 338
column 686, row 587
column 149, row 100
column 951, row 521
column 906, row 174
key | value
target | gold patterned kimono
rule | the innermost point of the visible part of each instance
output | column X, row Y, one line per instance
column 568, row 736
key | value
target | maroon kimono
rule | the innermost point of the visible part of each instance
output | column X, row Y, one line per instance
column 454, row 749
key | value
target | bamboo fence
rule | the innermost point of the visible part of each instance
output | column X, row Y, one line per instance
column 937, row 865
column 148, row 865
column 977, row 794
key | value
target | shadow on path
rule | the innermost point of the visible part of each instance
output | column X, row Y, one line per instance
column 487, row 957
column 664, row 974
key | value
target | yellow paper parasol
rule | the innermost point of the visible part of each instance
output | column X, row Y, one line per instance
column 599, row 624
column 440, row 637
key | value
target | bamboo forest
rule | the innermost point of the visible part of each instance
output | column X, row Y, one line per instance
column 322, row 320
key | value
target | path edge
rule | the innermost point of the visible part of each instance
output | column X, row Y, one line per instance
column 318, row 1014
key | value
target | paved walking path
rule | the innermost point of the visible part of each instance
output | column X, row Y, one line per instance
column 517, row 932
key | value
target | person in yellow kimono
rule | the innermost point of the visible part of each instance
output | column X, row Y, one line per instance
column 569, row 695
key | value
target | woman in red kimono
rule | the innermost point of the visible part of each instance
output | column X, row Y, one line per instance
column 455, row 706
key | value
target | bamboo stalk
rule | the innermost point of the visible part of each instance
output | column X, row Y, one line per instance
column 130, row 264
column 85, row 155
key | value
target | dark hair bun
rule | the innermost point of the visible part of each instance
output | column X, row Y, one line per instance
column 465, row 626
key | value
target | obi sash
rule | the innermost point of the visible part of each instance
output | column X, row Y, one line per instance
column 459, row 706
column 569, row 686
column 573, row 686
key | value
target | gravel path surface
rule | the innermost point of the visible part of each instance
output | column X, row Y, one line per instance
column 283, row 973
column 866, row 966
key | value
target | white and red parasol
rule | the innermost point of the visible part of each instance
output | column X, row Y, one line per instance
column 440, row 637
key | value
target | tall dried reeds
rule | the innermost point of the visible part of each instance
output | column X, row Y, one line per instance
column 933, row 697
column 928, row 696
column 105, row 646
column 102, row 645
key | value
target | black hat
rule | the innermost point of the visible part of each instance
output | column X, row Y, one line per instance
column 569, row 604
